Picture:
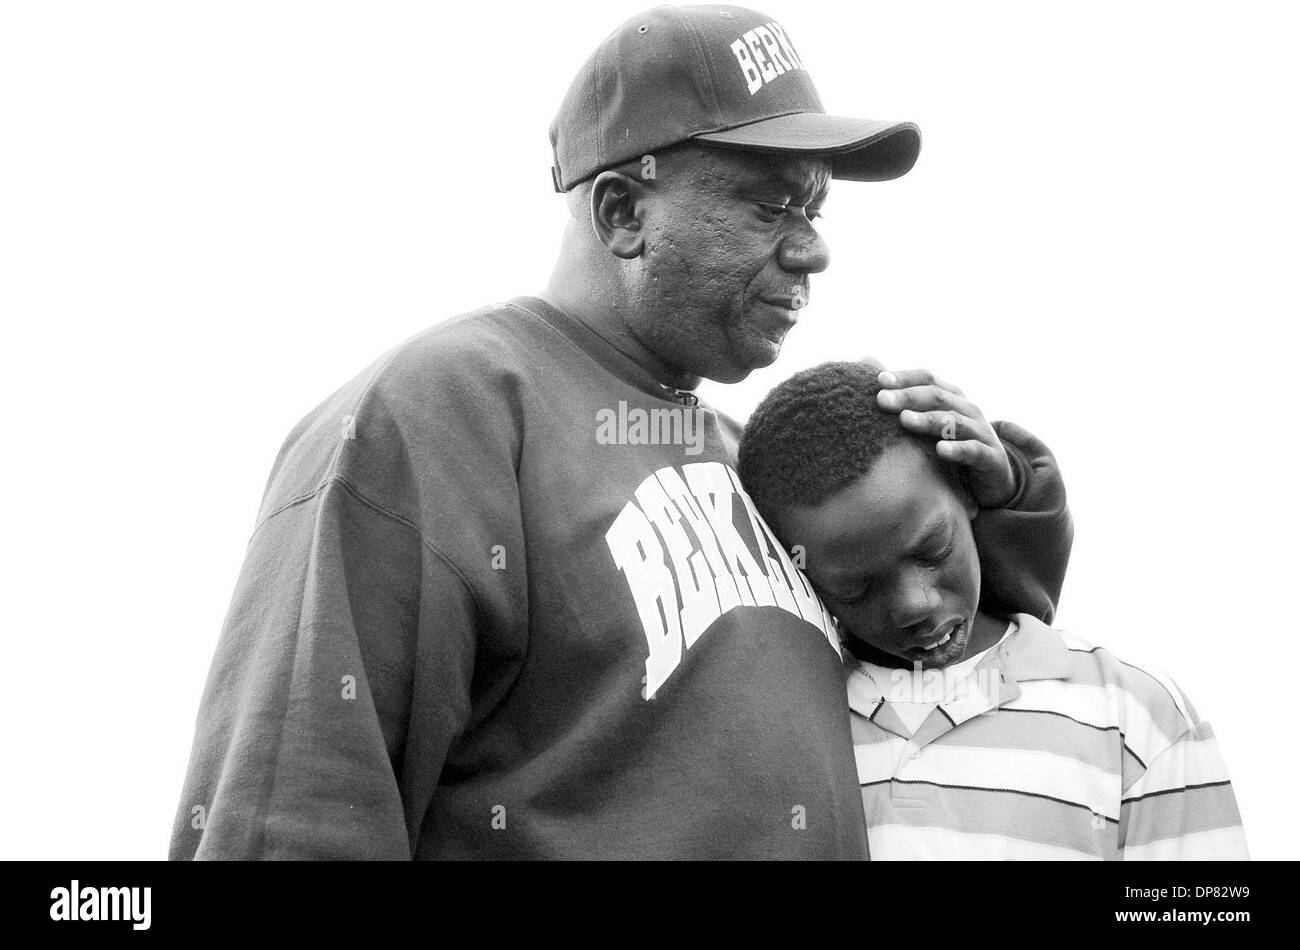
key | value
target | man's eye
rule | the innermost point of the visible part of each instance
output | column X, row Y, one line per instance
column 771, row 210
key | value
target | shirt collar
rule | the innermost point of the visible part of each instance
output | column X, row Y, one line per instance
column 1034, row 651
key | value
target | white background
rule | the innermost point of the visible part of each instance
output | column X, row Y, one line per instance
column 212, row 215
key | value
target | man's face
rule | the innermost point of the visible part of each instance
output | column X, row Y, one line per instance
column 894, row 558
column 730, row 249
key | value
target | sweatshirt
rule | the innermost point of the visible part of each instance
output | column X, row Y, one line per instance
column 505, row 598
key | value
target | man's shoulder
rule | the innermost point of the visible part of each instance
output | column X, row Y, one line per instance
column 461, row 358
column 452, row 386
column 440, row 360
column 493, row 335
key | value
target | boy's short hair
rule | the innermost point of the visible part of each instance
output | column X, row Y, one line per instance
column 816, row 433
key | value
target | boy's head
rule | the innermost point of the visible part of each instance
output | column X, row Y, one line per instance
column 884, row 523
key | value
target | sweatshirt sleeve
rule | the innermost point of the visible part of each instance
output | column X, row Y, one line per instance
column 1024, row 547
column 366, row 607
column 304, row 723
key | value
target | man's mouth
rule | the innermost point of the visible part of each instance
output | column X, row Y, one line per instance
column 791, row 302
column 776, row 319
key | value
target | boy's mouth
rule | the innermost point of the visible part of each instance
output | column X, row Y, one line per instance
column 945, row 644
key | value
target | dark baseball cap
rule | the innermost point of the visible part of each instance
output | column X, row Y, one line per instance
column 723, row 76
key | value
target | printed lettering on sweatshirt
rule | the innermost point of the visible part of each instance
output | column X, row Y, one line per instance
column 687, row 563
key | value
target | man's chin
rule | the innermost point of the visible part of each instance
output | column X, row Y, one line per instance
column 734, row 375
column 738, row 372
column 760, row 354
column 751, row 354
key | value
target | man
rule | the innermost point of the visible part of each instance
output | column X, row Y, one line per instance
column 505, row 597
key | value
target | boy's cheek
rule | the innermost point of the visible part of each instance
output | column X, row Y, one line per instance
column 857, row 624
column 968, row 578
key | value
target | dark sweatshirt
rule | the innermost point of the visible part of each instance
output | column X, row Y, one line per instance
column 506, row 598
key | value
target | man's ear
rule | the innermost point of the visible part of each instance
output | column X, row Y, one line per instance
column 617, row 208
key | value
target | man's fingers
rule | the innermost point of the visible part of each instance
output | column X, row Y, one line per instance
column 927, row 398
column 903, row 378
column 971, row 453
column 907, row 378
column 947, row 425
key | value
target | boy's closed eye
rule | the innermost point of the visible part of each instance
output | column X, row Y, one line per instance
column 938, row 553
column 933, row 550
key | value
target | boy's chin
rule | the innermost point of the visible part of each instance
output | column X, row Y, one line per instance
column 945, row 652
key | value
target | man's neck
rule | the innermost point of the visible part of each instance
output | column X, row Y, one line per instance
column 605, row 319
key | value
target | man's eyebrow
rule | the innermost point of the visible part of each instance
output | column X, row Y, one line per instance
column 820, row 194
column 813, row 186
column 795, row 185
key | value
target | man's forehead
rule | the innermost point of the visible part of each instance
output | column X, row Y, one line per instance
column 751, row 169
column 798, row 174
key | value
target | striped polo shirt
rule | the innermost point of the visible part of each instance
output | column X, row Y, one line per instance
column 1050, row 749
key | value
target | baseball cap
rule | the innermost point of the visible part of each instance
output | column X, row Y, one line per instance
column 720, row 75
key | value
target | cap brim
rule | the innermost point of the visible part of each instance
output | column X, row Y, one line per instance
column 858, row 149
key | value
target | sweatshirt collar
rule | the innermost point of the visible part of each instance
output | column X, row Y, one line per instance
column 605, row 351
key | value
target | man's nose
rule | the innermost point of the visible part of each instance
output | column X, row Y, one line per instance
column 805, row 252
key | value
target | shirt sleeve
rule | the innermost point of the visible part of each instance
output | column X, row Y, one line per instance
column 341, row 675
column 1024, row 547
column 1181, row 807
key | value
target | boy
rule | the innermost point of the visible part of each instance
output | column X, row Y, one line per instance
column 977, row 735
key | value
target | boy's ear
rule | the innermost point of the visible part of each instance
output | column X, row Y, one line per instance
column 952, row 473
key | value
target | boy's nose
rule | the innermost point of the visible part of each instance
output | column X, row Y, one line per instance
column 913, row 603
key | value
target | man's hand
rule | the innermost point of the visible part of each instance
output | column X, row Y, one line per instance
column 929, row 406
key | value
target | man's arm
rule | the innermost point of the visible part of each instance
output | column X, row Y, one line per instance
column 308, row 743
column 1024, row 547
column 1023, row 530
column 344, row 668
